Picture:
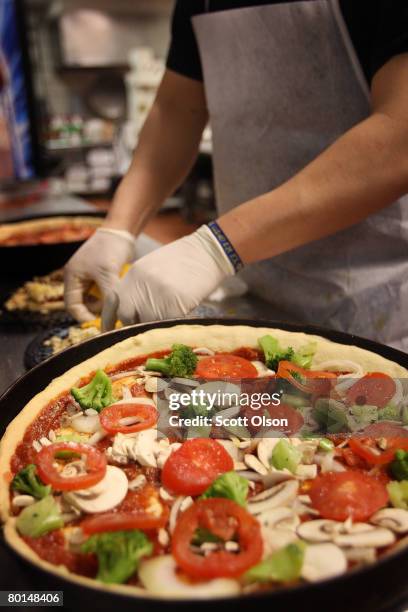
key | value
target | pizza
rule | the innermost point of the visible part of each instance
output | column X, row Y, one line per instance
column 42, row 294
column 52, row 230
column 101, row 487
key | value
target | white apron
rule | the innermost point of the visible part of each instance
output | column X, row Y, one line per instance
column 283, row 82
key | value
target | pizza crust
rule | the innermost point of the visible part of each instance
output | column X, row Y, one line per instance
column 215, row 337
column 37, row 225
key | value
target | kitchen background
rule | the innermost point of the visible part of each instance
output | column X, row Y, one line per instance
column 96, row 66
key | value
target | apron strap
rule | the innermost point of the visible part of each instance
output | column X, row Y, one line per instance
column 207, row 6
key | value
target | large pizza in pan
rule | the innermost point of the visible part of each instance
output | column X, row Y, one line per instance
column 209, row 461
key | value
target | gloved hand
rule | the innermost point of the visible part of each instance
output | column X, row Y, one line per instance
column 99, row 260
column 169, row 282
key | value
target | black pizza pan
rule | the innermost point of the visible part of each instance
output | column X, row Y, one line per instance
column 22, row 262
column 37, row 351
column 379, row 587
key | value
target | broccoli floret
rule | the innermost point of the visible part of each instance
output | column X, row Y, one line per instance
column 286, row 456
column 364, row 415
column 284, row 565
column 97, row 394
column 194, row 410
column 27, row 481
column 389, row 413
column 398, row 492
column 230, row 485
column 118, row 553
column 399, row 467
column 204, row 535
column 303, row 357
column 181, row 362
column 274, row 353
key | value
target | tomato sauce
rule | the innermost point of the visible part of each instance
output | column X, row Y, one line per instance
column 251, row 354
column 52, row 548
column 66, row 233
column 49, row 418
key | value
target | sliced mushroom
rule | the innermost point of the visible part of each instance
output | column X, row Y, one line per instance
column 265, row 450
column 163, row 537
column 306, row 472
column 308, row 450
column 262, row 369
column 377, row 538
column 323, row 561
column 164, row 494
column 395, row 519
column 319, row 530
column 22, row 501
column 107, row 494
column 137, row 400
column 279, row 518
column 276, row 476
column 276, row 539
column 280, row 495
column 142, row 447
column 252, row 462
column 137, row 372
column 160, row 577
column 328, row 463
column 232, row 450
column 165, row 452
column 154, row 384
column 181, row 504
column 185, row 382
column 137, row 483
column 361, row 555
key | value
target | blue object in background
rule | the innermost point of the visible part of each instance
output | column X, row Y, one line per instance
column 14, row 109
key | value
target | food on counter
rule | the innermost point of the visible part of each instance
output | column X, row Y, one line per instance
column 75, row 334
column 92, row 485
column 53, row 230
column 43, row 294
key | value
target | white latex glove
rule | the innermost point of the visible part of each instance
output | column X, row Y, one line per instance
column 99, row 260
column 169, row 282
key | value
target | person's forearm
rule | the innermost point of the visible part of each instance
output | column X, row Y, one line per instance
column 363, row 172
column 360, row 174
column 167, row 148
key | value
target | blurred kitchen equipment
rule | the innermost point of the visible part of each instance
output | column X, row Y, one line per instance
column 106, row 97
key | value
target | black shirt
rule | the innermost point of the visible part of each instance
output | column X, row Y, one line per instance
column 378, row 30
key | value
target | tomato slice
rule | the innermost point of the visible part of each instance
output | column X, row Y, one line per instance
column 139, row 510
column 384, row 429
column 95, row 463
column 374, row 389
column 118, row 521
column 283, row 411
column 366, row 449
column 210, row 513
column 294, row 417
column 312, row 381
column 112, row 416
column 341, row 495
column 225, row 366
column 195, row 465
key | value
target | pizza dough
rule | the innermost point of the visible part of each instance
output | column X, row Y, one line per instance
column 216, row 337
